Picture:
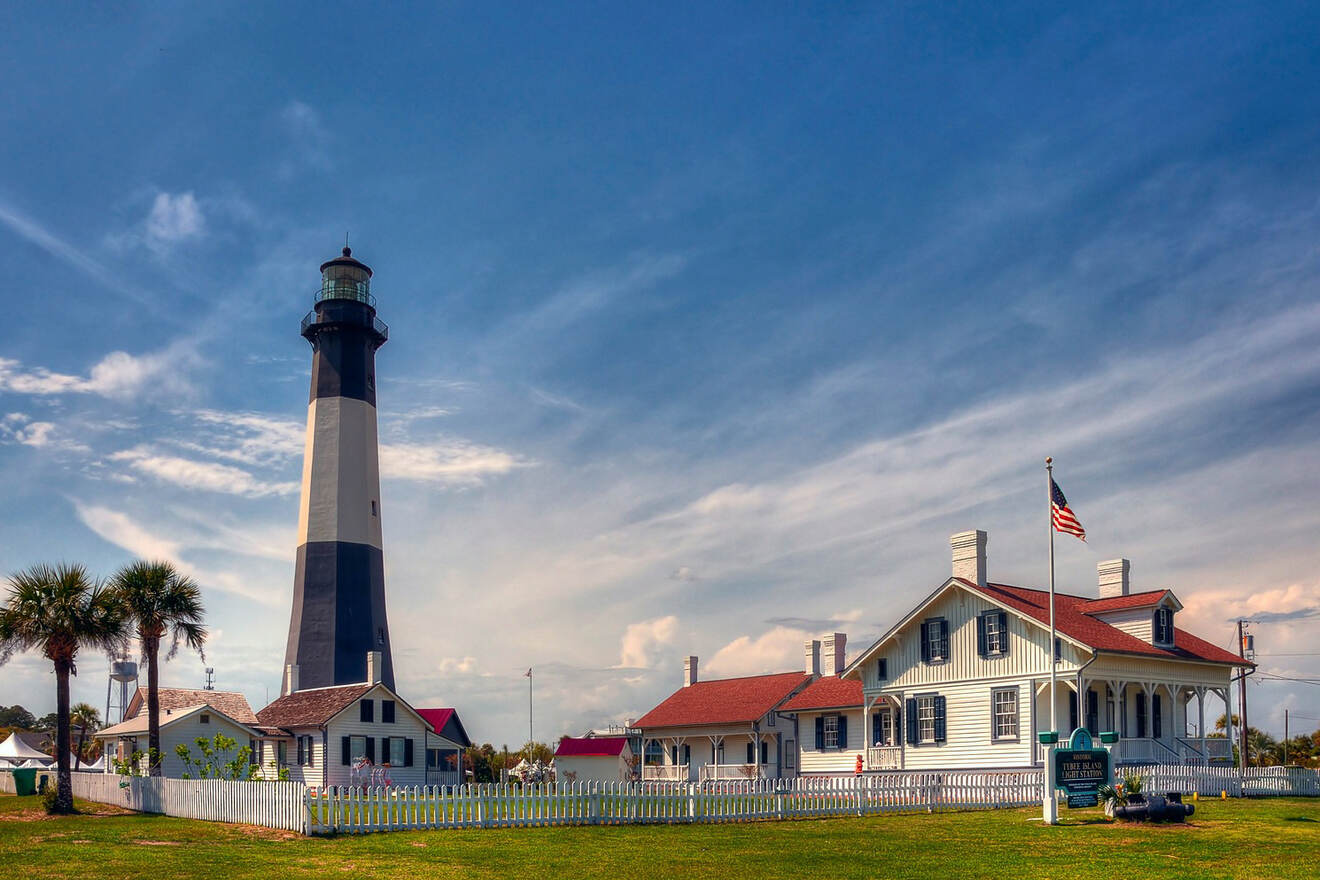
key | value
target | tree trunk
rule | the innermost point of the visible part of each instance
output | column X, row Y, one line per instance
column 63, row 775
column 152, row 646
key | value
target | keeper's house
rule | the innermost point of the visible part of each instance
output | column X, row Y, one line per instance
column 731, row 728
column 353, row 734
column 962, row 681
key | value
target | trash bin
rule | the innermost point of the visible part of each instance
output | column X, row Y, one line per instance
column 25, row 781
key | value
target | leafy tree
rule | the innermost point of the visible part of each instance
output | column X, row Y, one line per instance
column 84, row 715
column 59, row 609
column 46, row 722
column 162, row 603
column 220, row 757
column 17, row 716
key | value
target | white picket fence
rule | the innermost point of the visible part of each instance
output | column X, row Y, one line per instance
column 355, row 810
column 1211, row 781
column 272, row 804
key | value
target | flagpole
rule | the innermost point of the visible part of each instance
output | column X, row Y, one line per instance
column 530, row 739
column 1054, row 661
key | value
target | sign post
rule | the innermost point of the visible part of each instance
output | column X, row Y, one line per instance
column 1049, row 803
column 1081, row 769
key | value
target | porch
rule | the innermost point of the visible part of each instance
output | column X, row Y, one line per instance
column 692, row 757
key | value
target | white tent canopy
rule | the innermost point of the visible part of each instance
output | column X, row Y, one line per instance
column 15, row 751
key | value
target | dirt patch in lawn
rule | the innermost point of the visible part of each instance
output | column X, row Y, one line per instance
column 39, row 814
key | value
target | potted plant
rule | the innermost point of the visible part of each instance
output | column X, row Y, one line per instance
column 1125, row 792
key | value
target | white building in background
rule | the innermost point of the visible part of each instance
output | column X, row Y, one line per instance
column 733, row 728
column 962, row 680
column 594, row 759
column 178, row 726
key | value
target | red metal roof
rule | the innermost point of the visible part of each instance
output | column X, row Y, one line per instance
column 591, row 746
column 1071, row 619
column 723, row 701
column 437, row 718
column 830, row 692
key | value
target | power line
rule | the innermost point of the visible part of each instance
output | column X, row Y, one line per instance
column 1297, row 654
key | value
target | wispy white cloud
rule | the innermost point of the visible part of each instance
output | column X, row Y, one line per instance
column 201, row 475
column 309, row 139
column 32, row 231
column 118, row 375
column 452, row 462
column 22, row 429
column 173, row 219
column 640, row 640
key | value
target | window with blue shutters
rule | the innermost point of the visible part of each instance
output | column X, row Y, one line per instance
column 1162, row 626
column 992, row 633
column 832, row 727
column 930, row 718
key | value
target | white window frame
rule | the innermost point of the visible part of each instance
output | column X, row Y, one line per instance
column 788, row 754
column 926, row 715
column 1005, row 726
column 397, row 745
column 357, row 748
column 829, row 739
column 939, row 647
column 886, row 727
column 995, row 641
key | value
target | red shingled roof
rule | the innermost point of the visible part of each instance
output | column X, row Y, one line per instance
column 723, row 701
column 1071, row 619
column 310, row 708
column 830, row 692
column 591, row 746
column 1118, row 603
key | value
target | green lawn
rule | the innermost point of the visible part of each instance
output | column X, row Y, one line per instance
column 1273, row 839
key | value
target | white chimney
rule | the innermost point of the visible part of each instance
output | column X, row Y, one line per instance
column 832, row 648
column 690, row 671
column 374, row 663
column 969, row 556
column 811, row 647
column 291, row 678
column 1114, row 576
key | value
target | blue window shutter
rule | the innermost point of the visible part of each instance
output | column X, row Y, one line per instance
column 875, row 728
column 898, row 727
column 765, row 751
column 820, row 732
column 981, row 635
column 939, row 719
column 407, row 752
column 944, row 640
column 1156, row 721
column 371, row 749
column 751, row 754
column 347, row 746
column 925, row 642
column 843, row 731
column 913, row 731
column 1003, row 632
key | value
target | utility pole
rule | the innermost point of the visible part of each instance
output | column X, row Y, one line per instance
column 1242, row 699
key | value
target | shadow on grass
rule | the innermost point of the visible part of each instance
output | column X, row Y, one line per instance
column 1298, row 819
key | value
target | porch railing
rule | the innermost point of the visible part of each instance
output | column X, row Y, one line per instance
column 884, row 758
column 666, row 772
column 735, row 771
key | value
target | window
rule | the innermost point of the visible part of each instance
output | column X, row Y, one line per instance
column 205, row 719
column 357, row 749
column 1156, row 717
column 687, row 754
column 770, row 720
column 1092, row 712
column 935, row 640
column 882, row 728
column 300, row 751
column 444, row 760
column 398, row 758
column 789, row 752
column 380, row 635
column 367, row 711
column 926, row 717
column 992, row 633
column 831, row 730
column 387, row 711
column 304, row 751
column 654, row 753
column 1005, row 713
column 282, row 753
column 1058, row 649
column 1163, row 626
column 882, row 669
column 1141, row 716
column 373, row 508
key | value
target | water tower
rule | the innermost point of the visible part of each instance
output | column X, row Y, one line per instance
column 123, row 672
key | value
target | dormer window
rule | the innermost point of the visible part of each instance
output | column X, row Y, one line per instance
column 1162, row 627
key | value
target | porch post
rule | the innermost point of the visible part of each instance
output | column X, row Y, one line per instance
column 1200, row 716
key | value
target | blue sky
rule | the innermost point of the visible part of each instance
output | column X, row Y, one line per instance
column 709, row 324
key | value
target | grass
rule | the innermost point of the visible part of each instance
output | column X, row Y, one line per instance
column 1275, row 839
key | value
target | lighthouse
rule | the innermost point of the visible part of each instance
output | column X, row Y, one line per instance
column 339, row 581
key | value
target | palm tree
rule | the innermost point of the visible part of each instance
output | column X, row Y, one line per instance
column 60, row 609
column 160, row 602
column 84, row 715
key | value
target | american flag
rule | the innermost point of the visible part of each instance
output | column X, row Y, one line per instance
column 1064, row 519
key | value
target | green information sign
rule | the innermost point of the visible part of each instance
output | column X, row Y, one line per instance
column 1081, row 769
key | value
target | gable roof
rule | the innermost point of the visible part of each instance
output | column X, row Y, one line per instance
column 311, row 708
column 1120, row 603
column 21, row 746
column 445, row 722
column 723, row 701
column 829, row 692
column 591, row 746
column 234, row 705
column 138, row 723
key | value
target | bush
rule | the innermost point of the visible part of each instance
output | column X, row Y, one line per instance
column 48, row 798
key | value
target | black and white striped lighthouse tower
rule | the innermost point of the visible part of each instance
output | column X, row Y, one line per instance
column 339, row 583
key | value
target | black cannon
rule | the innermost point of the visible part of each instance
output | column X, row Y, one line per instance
column 1169, row 808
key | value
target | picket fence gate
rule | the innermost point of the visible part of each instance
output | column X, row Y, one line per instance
column 358, row 809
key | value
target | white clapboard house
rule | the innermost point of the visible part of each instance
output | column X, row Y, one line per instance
column 186, row 715
column 829, row 714
column 355, row 734
column 594, row 759
column 732, row 728
column 962, row 680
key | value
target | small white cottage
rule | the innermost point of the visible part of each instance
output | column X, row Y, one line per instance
column 178, row 726
column 594, row 759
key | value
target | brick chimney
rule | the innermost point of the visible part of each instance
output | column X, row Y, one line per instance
column 832, row 649
column 1115, row 577
column 375, row 661
column 690, row 671
column 811, row 648
column 969, row 556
